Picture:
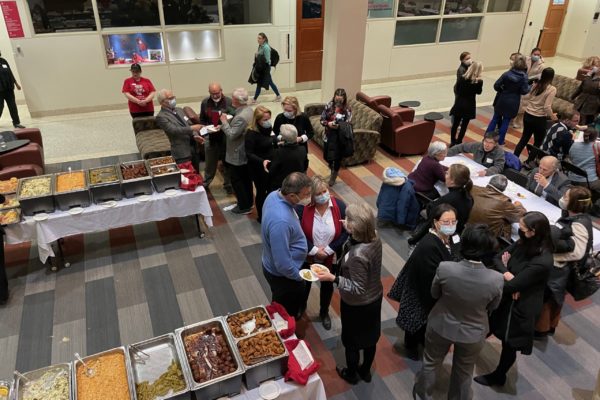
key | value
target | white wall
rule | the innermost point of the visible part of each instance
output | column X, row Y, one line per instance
column 533, row 24
column 575, row 38
column 7, row 53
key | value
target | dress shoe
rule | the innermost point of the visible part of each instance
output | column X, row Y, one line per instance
column 239, row 211
column 412, row 353
column 345, row 375
column 364, row 375
column 537, row 335
column 19, row 126
column 490, row 380
column 326, row 321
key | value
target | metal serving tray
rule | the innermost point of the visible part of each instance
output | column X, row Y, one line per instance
column 154, row 162
column 106, row 191
column 120, row 349
column 136, row 186
column 18, row 383
column 36, row 204
column 226, row 385
column 251, row 333
column 151, row 358
column 7, row 210
column 9, row 386
column 168, row 180
column 72, row 198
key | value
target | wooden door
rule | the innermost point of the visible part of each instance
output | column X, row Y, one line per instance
column 309, row 39
column 557, row 9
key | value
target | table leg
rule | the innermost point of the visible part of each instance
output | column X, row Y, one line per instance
column 200, row 225
column 59, row 260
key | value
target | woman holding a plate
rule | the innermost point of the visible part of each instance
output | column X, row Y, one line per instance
column 361, row 291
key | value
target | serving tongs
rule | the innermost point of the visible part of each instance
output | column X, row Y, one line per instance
column 88, row 371
column 140, row 355
column 23, row 377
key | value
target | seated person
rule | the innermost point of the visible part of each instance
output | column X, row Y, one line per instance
column 547, row 181
column 429, row 170
column 582, row 155
column 180, row 132
column 487, row 153
column 492, row 207
column 289, row 157
column 560, row 137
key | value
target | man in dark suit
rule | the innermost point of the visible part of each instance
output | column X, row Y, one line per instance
column 547, row 181
column 289, row 157
column 7, row 92
column 180, row 132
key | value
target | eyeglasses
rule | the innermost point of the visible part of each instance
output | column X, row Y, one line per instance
column 448, row 222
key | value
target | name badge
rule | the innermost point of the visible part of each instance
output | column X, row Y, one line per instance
column 186, row 118
column 559, row 226
column 489, row 160
column 4, row 66
column 456, row 239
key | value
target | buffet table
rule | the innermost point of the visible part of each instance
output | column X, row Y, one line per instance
column 313, row 390
column 97, row 218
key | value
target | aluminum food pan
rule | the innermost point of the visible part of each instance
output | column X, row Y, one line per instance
column 120, row 349
column 7, row 210
column 117, row 172
column 36, row 204
column 18, row 383
column 74, row 197
column 9, row 386
column 9, row 197
column 168, row 180
column 161, row 349
column 162, row 161
column 134, row 163
column 23, row 180
column 179, row 336
column 268, row 360
column 261, row 307
column 136, row 186
column 105, row 191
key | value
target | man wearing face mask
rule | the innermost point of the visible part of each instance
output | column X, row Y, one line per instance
column 284, row 244
column 7, row 92
column 292, row 115
column 547, row 181
column 182, row 135
column 559, row 138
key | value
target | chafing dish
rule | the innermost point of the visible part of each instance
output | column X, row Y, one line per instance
column 44, row 382
column 75, row 192
column 105, row 183
column 35, row 194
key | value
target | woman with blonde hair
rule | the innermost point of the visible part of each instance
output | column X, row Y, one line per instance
column 292, row 115
column 259, row 150
column 469, row 85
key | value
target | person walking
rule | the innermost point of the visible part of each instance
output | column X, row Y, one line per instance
column 468, row 86
column 261, row 69
column 8, row 83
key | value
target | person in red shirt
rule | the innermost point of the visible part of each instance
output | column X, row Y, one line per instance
column 140, row 92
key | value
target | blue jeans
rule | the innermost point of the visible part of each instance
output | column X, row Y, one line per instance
column 271, row 84
column 501, row 122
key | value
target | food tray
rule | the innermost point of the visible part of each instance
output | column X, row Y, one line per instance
column 87, row 359
column 37, row 374
column 108, row 188
column 6, row 389
column 9, row 186
column 151, row 358
column 79, row 197
column 136, row 186
column 4, row 214
column 226, row 385
column 152, row 162
column 165, row 180
column 237, row 335
column 31, row 205
column 10, row 201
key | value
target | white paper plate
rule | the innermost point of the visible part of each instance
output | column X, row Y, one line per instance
column 171, row 192
column 269, row 390
column 229, row 116
column 109, row 204
column 40, row 217
column 304, row 273
column 143, row 198
column 75, row 210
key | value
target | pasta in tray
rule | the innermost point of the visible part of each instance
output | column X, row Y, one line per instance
column 35, row 187
column 52, row 385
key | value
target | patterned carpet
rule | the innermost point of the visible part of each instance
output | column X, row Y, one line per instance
column 137, row 282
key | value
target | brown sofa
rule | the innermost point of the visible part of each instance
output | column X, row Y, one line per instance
column 366, row 124
column 150, row 140
column 25, row 161
column 402, row 137
column 407, row 113
column 565, row 88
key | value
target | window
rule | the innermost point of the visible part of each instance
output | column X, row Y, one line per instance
column 194, row 45
column 454, row 29
column 238, row 12
column 464, row 7
column 62, row 15
column 381, row 8
column 133, row 48
column 415, row 32
column 312, row 9
column 504, row 5
column 419, row 8
column 119, row 13
column 182, row 12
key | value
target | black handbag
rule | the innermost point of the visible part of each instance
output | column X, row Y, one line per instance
column 584, row 280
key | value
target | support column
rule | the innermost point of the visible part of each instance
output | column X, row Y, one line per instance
column 343, row 46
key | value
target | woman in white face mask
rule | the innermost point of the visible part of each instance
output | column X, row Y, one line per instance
column 292, row 115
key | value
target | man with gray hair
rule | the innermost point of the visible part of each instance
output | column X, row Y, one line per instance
column 235, row 151
column 547, row 181
column 492, row 207
column 289, row 157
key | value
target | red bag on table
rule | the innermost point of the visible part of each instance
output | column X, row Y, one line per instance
column 189, row 180
column 275, row 307
column 295, row 372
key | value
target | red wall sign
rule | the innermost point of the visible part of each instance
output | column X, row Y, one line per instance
column 14, row 27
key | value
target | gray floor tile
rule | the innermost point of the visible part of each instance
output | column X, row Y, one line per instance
column 253, row 254
column 150, row 250
column 181, row 265
column 69, row 294
column 68, row 338
column 221, row 297
column 249, row 292
column 8, row 352
column 11, row 314
column 98, row 260
column 39, row 279
column 102, row 323
column 127, row 275
column 194, row 306
column 35, row 336
column 162, row 300
column 134, row 323
column 232, row 258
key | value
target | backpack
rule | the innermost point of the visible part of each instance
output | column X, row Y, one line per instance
column 274, row 57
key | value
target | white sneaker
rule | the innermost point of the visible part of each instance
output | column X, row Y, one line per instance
column 277, row 99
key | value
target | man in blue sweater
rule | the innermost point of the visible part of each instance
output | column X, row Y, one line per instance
column 284, row 243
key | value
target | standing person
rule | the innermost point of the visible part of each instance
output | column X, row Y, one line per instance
column 468, row 86
column 261, row 69
column 587, row 96
column 214, row 148
column 321, row 222
column 466, row 293
column 284, row 244
column 235, row 151
column 292, row 115
column 538, row 109
column 573, row 239
column 361, row 292
column 336, row 111
column 259, row 150
column 510, row 87
column 287, row 158
column 7, row 92
column 140, row 92
column 465, row 63
column 526, row 265
column 535, row 64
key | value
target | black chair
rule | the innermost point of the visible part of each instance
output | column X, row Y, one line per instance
column 536, row 152
column 504, row 242
column 516, row 177
column 574, row 169
column 423, row 200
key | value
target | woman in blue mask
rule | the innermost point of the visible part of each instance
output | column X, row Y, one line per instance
column 292, row 115
column 321, row 222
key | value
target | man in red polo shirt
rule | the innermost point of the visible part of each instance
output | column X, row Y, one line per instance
column 140, row 92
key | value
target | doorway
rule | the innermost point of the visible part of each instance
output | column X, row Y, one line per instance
column 309, row 39
column 555, row 16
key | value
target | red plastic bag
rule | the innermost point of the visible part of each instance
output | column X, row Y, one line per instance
column 275, row 307
column 189, row 180
column 295, row 372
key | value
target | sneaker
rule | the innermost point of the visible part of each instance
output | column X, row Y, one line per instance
column 277, row 99
column 19, row 126
column 252, row 102
column 239, row 211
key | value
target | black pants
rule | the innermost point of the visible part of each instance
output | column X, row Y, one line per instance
column 535, row 126
column 508, row 356
column 464, row 123
column 325, row 294
column 353, row 360
column 242, row 185
column 329, row 150
column 3, row 278
column 287, row 292
column 261, row 184
column 413, row 340
column 9, row 97
column 142, row 114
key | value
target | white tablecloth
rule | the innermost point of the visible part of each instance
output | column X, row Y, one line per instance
column 97, row 218
column 531, row 202
column 313, row 390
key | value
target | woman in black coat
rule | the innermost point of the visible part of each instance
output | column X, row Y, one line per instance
column 587, row 97
column 467, row 87
column 292, row 115
column 526, row 266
